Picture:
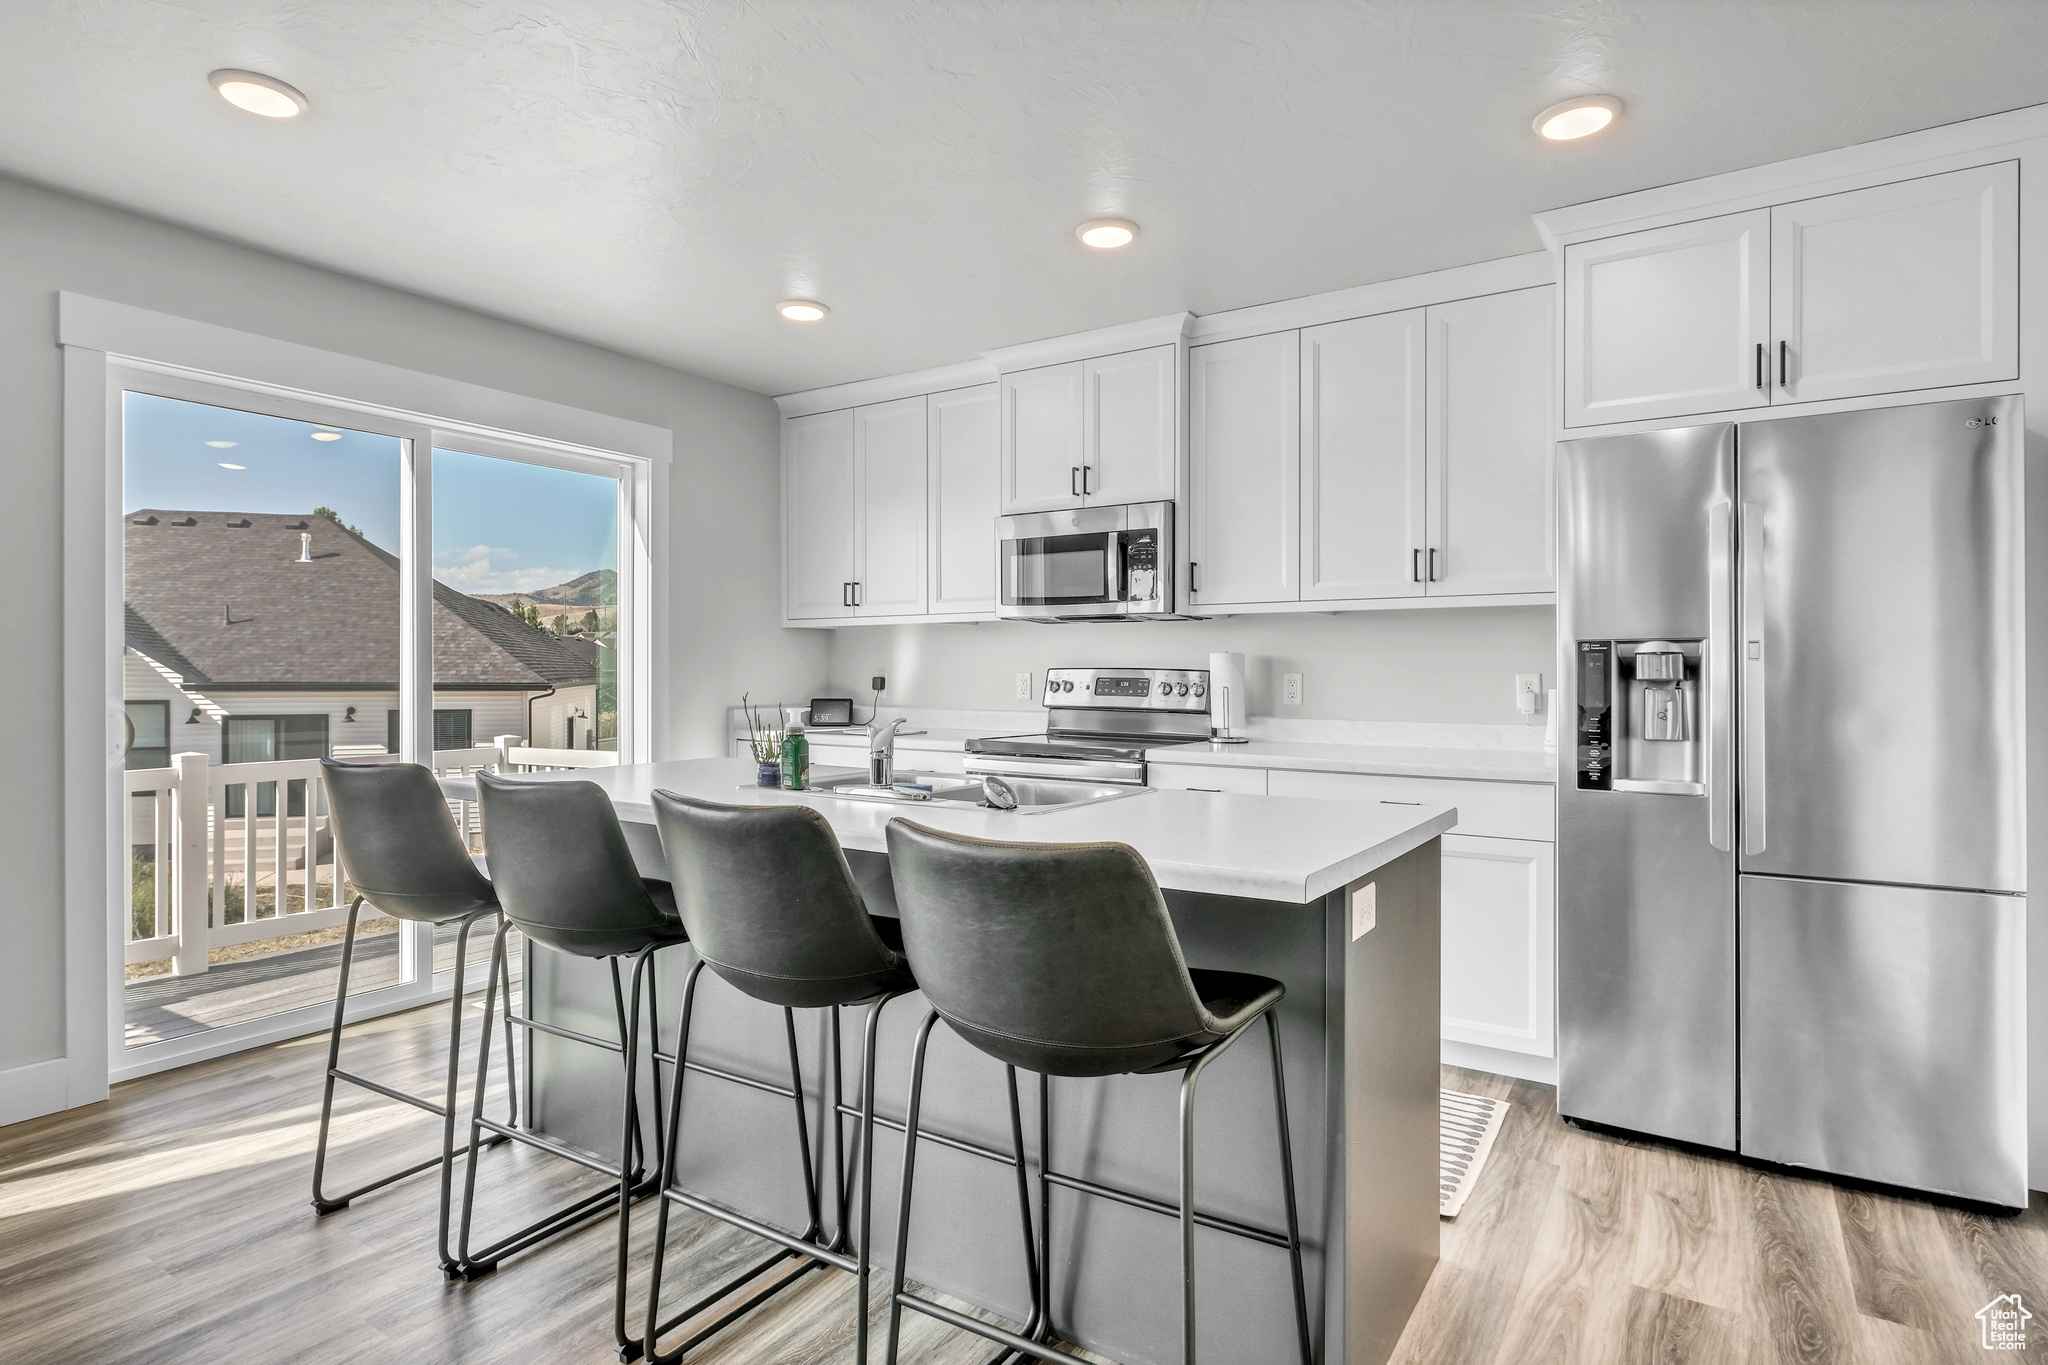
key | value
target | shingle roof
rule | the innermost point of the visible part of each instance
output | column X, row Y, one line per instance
column 225, row 593
column 146, row 640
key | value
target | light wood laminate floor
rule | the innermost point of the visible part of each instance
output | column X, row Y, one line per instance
column 1579, row 1246
column 172, row 1224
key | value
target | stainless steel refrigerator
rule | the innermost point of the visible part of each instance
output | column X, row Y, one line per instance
column 1791, row 814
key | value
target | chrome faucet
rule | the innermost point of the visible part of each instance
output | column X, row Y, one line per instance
column 882, row 753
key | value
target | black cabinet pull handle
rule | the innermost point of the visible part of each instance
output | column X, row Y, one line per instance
column 1760, row 380
column 1192, row 589
column 856, row 592
column 1415, row 567
column 1086, row 470
column 1781, row 366
column 845, row 594
column 1074, row 481
column 1432, row 563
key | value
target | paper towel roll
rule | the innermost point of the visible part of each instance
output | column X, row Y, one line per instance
column 1227, row 694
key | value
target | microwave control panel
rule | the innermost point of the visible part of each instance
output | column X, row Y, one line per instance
column 1141, row 566
column 1596, row 716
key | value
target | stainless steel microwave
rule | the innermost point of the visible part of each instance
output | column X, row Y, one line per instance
column 1087, row 564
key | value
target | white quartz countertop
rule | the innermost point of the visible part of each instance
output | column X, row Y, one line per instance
column 1276, row 848
column 932, row 741
column 1492, row 765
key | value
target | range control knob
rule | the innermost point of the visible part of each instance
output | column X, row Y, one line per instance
column 1067, row 686
column 1183, row 689
column 1200, row 690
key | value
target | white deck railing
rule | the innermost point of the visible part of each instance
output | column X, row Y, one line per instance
column 215, row 879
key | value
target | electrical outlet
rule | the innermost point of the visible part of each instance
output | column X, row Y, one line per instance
column 1023, row 687
column 1528, row 692
column 878, row 683
column 1290, row 689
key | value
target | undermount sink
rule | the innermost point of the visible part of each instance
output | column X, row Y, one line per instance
column 1035, row 795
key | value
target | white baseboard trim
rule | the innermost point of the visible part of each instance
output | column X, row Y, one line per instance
column 31, row 1091
column 1500, row 1062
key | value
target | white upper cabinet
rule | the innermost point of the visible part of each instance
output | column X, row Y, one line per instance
column 1041, row 438
column 1091, row 432
column 1130, row 452
column 1910, row 285
column 1905, row 286
column 1491, row 522
column 1244, row 513
column 818, row 515
column 889, row 502
column 1671, row 321
column 1362, row 397
column 961, row 496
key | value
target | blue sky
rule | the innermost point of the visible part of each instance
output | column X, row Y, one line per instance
column 499, row 526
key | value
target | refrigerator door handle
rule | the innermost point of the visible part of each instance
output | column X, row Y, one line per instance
column 1752, row 636
column 1720, row 678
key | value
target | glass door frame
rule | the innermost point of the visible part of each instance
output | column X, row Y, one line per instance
column 418, row 437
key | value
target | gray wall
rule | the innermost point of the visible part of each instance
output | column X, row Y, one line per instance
column 724, row 561
column 1430, row 664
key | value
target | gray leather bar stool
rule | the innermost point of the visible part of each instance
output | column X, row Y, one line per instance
column 773, row 910
column 399, row 847
column 1061, row 959
column 567, row 880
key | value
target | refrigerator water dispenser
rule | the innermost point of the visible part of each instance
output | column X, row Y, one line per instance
column 1639, row 716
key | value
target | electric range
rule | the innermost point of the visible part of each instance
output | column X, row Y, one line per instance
column 1100, row 722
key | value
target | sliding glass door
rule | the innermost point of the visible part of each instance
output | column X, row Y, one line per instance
column 303, row 581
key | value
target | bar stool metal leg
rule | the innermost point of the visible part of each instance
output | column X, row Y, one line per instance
column 474, row 1264
column 326, row 1203
column 810, row 1244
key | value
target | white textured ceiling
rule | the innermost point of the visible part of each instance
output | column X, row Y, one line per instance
column 653, row 176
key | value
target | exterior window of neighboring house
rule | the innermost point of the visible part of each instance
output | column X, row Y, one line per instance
column 149, row 742
column 269, row 739
column 451, row 730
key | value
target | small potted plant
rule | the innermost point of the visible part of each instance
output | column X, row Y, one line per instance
column 765, row 741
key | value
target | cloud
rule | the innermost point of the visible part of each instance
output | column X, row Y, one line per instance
column 476, row 569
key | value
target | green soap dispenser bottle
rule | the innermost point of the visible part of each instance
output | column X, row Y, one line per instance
column 796, row 760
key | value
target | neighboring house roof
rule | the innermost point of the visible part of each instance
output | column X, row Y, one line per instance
column 147, row 641
column 225, row 595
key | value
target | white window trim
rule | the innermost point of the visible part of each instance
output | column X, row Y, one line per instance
column 101, row 339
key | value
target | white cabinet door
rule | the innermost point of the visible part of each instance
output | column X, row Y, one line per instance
column 1041, row 436
column 1362, row 457
column 817, row 515
column 1499, row 944
column 1244, row 503
column 1129, row 452
column 1667, row 322
column 1490, row 498
column 1911, row 285
column 961, row 493
column 889, row 526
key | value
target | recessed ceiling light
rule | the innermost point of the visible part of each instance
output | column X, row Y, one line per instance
column 802, row 310
column 327, row 436
column 1582, row 116
column 1106, row 234
column 223, row 445
column 259, row 94
column 225, row 465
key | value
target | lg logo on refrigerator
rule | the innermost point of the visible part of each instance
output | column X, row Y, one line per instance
column 1976, row 422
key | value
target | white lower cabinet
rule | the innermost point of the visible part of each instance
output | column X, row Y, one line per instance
column 1499, row 943
column 1499, row 901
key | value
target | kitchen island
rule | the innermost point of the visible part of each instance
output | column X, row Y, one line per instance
column 1339, row 901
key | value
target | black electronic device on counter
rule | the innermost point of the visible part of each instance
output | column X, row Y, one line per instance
column 830, row 711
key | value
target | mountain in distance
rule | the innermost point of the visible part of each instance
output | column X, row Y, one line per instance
column 598, row 588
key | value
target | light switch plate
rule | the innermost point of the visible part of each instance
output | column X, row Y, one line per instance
column 1023, row 687
column 1290, row 689
column 1364, row 909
